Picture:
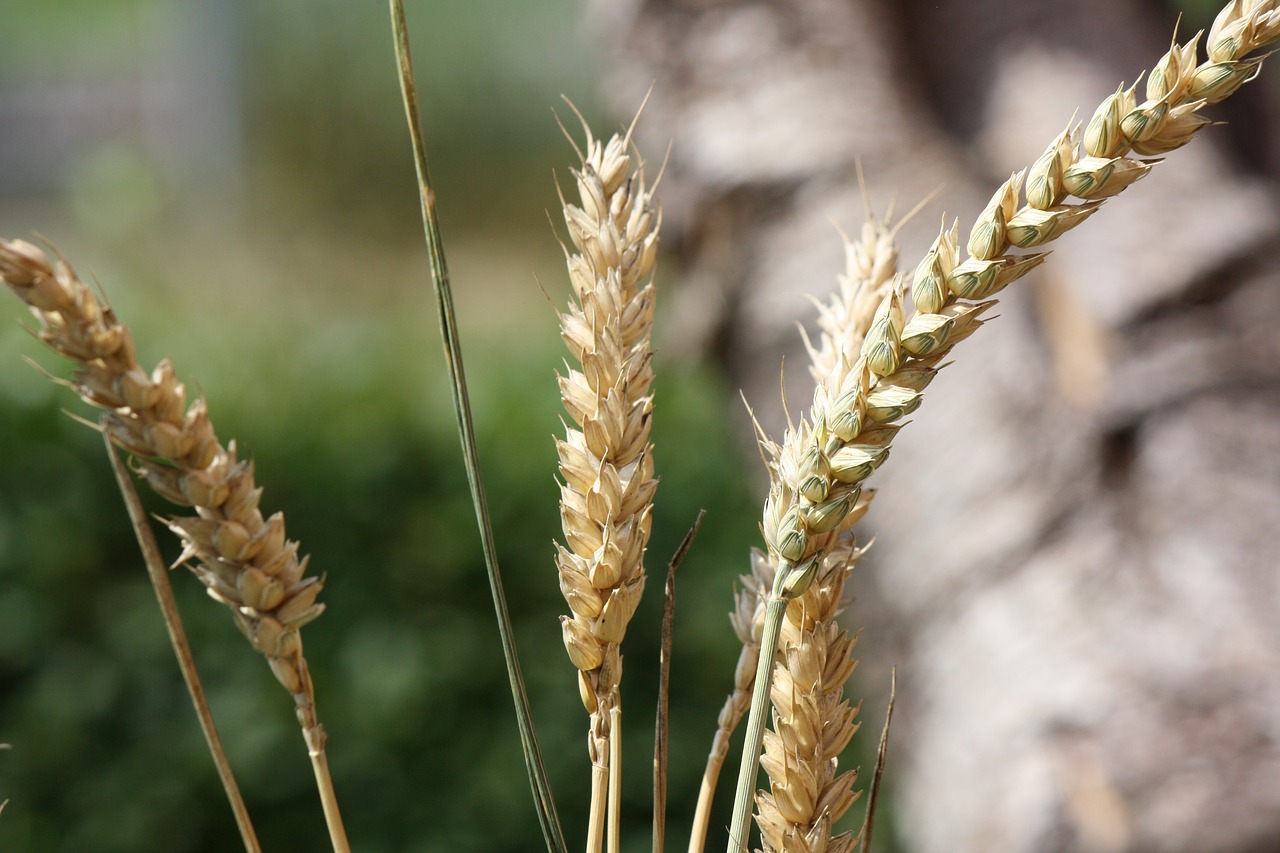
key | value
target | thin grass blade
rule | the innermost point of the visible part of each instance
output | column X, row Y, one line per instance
column 882, row 758
column 541, row 786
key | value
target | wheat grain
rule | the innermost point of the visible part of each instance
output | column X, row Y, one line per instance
column 245, row 560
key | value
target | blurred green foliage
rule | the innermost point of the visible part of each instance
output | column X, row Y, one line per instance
column 292, row 292
column 106, row 752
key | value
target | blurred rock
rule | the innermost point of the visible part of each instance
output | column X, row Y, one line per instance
column 1075, row 561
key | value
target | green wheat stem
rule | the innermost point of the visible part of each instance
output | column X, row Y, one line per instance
column 740, row 826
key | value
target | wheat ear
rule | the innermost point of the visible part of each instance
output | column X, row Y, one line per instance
column 870, row 264
column 812, row 721
column 244, row 560
column 825, row 459
column 606, row 461
column 852, row 423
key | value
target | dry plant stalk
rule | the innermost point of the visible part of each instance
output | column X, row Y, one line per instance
column 606, row 462
column 747, row 618
column 243, row 559
column 823, row 461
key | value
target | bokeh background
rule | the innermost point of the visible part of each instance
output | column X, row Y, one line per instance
column 238, row 178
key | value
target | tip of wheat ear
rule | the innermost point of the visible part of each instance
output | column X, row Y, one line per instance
column 244, row 559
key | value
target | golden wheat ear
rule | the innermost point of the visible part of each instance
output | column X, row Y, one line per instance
column 606, row 460
column 802, row 656
column 244, row 558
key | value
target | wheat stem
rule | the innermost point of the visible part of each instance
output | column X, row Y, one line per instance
column 740, row 825
column 615, row 777
column 597, row 814
column 747, row 619
column 159, row 576
column 706, row 794
column 324, row 784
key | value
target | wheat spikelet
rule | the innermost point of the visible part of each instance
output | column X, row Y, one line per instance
column 244, row 559
column 606, row 462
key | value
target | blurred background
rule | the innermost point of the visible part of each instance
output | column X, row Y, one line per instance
column 238, row 178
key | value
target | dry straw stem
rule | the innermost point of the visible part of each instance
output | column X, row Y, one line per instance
column 244, row 560
column 825, row 459
column 748, row 618
column 178, row 639
column 606, row 462
column 661, row 735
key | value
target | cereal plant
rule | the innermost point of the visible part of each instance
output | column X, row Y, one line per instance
column 884, row 335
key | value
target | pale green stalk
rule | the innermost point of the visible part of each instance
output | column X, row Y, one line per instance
column 791, row 581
